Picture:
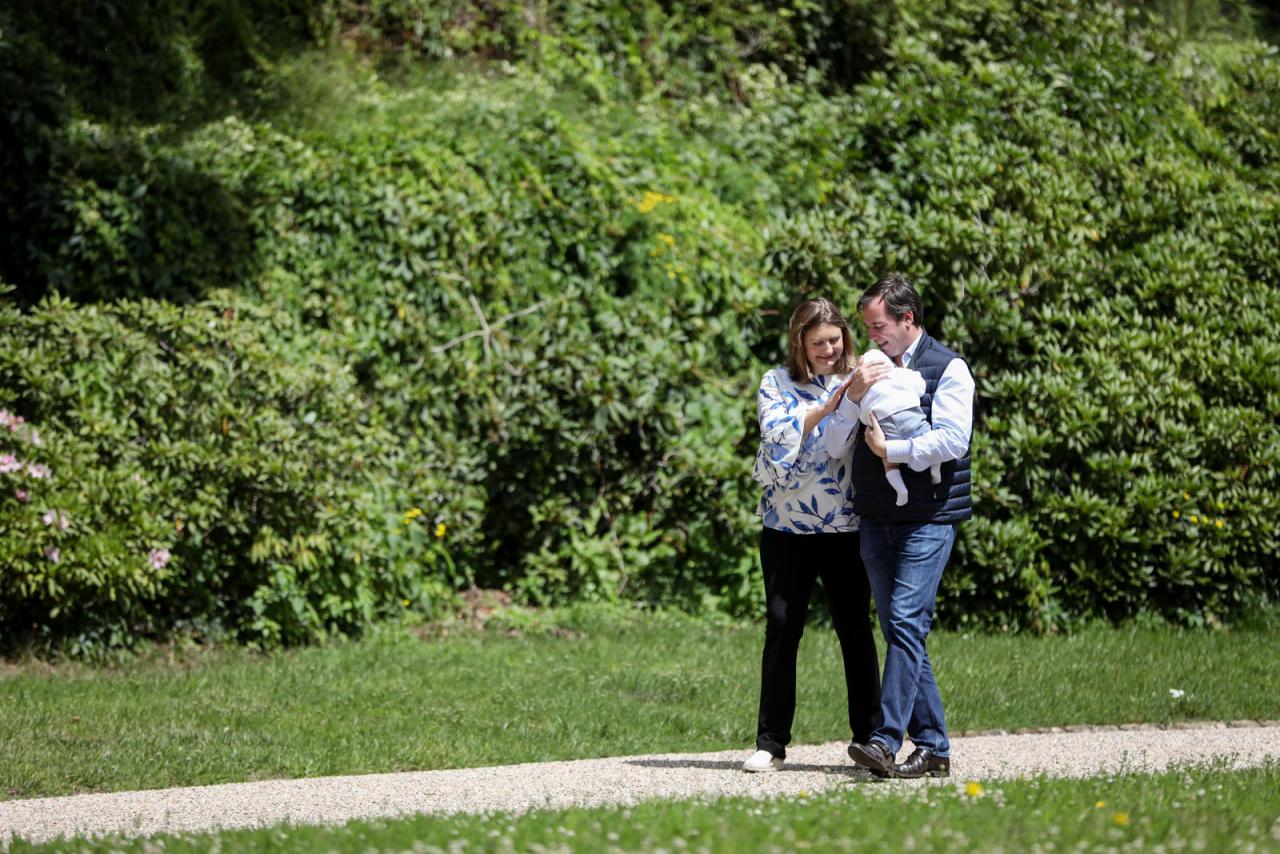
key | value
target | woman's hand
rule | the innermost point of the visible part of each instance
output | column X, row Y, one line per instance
column 865, row 376
column 817, row 413
column 836, row 396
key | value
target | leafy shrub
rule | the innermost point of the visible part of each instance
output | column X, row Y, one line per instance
column 610, row 48
column 534, row 301
column 133, row 220
column 1109, row 267
column 200, row 467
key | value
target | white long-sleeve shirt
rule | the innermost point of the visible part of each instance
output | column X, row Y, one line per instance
column 805, row 490
column 952, row 417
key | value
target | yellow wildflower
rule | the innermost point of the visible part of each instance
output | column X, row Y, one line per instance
column 1186, row 496
column 1100, row 804
column 1176, row 514
column 1221, row 506
column 973, row 789
column 440, row 531
column 1193, row 519
column 651, row 200
column 412, row 514
column 667, row 239
column 1121, row 819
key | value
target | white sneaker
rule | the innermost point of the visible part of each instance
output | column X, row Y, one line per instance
column 762, row 760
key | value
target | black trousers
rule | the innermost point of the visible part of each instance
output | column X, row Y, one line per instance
column 791, row 564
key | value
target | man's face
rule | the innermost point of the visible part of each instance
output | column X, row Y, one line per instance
column 891, row 335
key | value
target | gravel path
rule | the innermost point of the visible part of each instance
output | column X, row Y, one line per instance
column 590, row 782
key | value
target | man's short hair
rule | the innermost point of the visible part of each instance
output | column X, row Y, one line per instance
column 899, row 298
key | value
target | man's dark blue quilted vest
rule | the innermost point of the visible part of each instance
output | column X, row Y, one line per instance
column 947, row 502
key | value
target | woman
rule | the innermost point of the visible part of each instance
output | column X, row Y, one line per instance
column 809, row 530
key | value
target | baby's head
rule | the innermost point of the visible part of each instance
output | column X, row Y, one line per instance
column 875, row 357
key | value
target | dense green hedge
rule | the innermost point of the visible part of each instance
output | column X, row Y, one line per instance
column 1109, row 262
column 198, row 467
column 533, row 299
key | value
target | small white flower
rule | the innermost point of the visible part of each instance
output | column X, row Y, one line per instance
column 1176, row 693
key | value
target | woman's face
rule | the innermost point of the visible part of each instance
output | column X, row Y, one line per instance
column 823, row 345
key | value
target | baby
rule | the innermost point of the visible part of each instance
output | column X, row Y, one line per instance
column 895, row 400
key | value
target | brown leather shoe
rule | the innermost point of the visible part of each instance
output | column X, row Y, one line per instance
column 873, row 755
column 923, row 763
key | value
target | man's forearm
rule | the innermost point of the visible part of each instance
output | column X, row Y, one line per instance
column 941, row 444
column 952, row 416
column 838, row 437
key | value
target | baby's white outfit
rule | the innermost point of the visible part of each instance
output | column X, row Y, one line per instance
column 895, row 401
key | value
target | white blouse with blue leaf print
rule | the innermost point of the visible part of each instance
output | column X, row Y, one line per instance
column 805, row 490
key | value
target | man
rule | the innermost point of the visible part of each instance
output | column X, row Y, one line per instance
column 905, row 548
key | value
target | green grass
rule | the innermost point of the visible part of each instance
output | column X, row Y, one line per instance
column 1198, row 809
column 616, row 685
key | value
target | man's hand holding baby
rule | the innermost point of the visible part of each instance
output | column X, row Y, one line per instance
column 874, row 436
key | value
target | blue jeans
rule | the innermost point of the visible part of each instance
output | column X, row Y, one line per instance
column 904, row 563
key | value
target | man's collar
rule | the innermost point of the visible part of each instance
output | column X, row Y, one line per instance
column 910, row 353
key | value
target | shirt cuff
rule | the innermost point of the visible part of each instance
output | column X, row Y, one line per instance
column 849, row 409
column 897, row 450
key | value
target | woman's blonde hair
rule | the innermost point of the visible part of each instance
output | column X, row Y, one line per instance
column 809, row 314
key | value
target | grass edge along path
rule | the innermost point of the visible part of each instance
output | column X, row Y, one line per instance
column 1189, row 809
column 598, row 685
column 619, row 781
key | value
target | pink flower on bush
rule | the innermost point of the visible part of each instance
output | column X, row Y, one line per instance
column 35, row 438
column 53, row 553
column 38, row 471
column 9, row 463
column 6, row 418
column 57, row 517
column 21, row 495
column 158, row 558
